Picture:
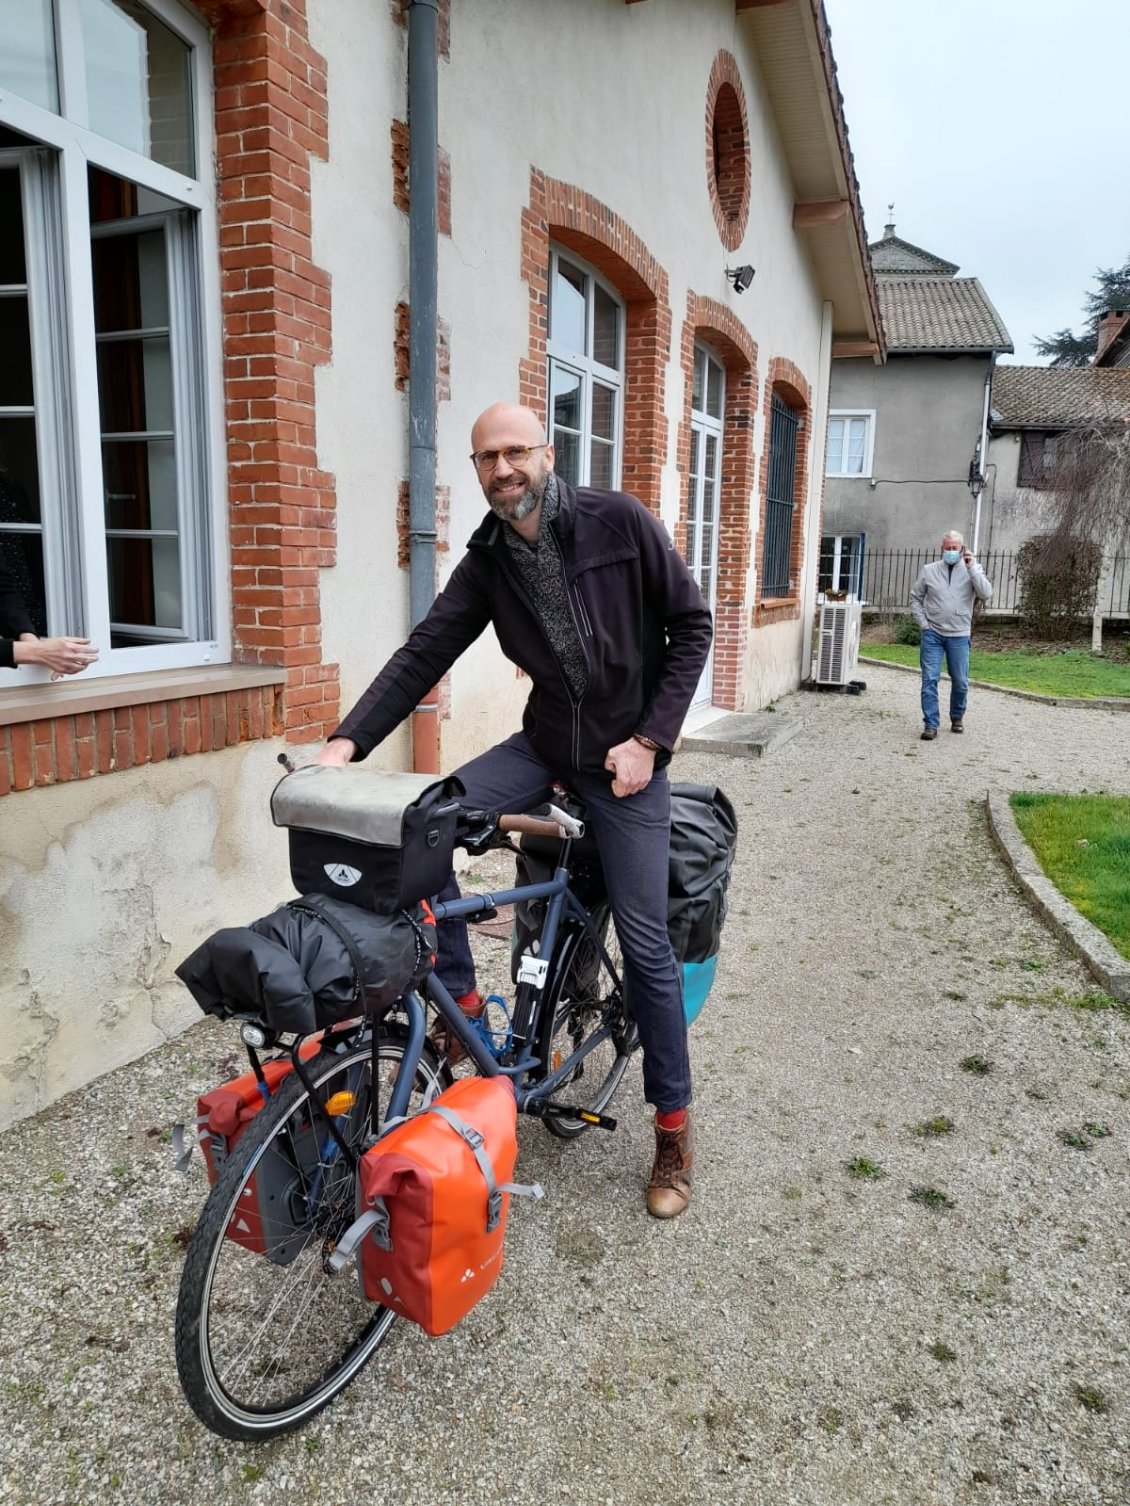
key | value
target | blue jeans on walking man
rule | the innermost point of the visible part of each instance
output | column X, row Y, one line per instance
column 956, row 654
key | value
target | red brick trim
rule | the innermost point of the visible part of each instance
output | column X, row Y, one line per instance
column 727, row 150
column 567, row 216
column 60, row 749
column 719, row 327
column 401, row 146
column 271, row 118
column 401, row 349
column 787, row 379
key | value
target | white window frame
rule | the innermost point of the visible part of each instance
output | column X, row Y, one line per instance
column 704, row 425
column 578, row 363
column 854, row 569
column 61, row 306
column 867, row 414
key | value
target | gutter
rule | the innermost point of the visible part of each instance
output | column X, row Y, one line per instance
column 423, row 280
column 979, row 460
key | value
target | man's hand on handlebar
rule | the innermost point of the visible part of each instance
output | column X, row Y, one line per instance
column 338, row 752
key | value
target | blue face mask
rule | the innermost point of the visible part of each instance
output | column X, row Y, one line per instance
column 951, row 556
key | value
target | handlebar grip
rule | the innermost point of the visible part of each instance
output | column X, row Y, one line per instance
column 532, row 826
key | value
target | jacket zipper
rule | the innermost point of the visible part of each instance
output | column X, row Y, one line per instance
column 584, row 650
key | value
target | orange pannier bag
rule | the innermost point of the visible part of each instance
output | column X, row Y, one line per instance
column 433, row 1195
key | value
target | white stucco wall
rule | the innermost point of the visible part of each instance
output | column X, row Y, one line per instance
column 105, row 885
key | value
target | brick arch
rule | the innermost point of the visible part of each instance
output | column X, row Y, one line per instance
column 568, row 216
column 787, row 380
column 717, row 326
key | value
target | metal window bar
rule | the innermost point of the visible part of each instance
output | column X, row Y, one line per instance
column 777, row 555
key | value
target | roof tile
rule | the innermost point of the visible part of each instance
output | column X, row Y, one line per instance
column 939, row 313
column 1035, row 397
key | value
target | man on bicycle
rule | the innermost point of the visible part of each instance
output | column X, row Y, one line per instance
column 589, row 597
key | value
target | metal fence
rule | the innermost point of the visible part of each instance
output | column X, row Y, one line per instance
column 888, row 576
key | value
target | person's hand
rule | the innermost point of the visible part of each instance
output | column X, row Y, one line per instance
column 632, row 766
column 336, row 753
column 967, row 556
column 62, row 656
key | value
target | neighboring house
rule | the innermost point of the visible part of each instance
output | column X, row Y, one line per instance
column 905, row 437
column 1113, row 345
column 206, row 283
column 1035, row 409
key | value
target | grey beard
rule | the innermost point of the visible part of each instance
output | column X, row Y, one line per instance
column 514, row 512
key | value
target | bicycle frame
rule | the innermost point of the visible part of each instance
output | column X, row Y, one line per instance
column 531, row 996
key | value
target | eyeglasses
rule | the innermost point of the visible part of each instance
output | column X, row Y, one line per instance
column 516, row 456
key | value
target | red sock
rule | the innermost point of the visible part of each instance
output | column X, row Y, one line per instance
column 470, row 1002
column 671, row 1121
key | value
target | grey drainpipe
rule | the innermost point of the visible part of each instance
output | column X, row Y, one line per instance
column 423, row 233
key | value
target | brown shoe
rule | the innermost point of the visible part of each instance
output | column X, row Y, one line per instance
column 958, row 726
column 669, row 1190
column 446, row 1042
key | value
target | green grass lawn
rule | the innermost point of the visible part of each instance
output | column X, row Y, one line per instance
column 1083, row 845
column 1074, row 673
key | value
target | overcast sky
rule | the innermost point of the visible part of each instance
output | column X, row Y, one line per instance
column 1001, row 131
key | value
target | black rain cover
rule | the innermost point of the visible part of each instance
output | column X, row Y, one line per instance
column 704, row 834
column 293, row 970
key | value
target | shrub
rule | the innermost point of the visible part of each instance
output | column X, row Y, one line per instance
column 908, row 631
column 1058, row 580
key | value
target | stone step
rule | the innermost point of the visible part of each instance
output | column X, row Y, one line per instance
column 742, row 736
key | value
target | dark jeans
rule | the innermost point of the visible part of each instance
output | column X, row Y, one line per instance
column 632, row 835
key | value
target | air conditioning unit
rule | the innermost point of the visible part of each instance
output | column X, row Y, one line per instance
column 838, row 652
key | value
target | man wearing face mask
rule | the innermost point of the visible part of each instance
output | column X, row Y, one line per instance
column 942, row 601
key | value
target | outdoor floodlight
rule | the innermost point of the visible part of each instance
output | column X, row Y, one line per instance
column 741, row 277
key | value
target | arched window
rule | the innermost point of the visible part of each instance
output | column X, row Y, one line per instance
column 704, row 485
column 586, row 374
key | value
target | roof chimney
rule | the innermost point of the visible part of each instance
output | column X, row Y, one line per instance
column 889, row 227
column 1111, row 326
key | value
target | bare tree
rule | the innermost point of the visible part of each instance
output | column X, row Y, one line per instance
column 1090, row 522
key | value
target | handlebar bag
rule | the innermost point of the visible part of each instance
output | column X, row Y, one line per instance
column 381, row 841
column 433, row 1196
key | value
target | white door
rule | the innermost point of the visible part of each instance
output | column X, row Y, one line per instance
column 704, row 512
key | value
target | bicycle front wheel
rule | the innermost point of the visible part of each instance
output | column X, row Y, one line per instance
column 266, row 1334
column 585, row 1009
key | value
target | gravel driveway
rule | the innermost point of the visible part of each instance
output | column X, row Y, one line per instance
column 801, row 1335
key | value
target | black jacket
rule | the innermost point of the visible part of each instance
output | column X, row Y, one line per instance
column 640, row 616
column 14, row 617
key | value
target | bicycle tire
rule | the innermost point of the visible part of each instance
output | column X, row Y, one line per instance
column 582, row 999
column 266, row 1340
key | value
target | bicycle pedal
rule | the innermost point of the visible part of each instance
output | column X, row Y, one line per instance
column 586, row 1116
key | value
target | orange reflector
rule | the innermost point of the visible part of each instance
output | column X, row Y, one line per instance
column 340, row 1103
column 557, row 1060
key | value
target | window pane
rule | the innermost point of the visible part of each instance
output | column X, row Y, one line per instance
column 27, row 56
column 138, row 82
column 140, row 481
column 857, row 439
column 21, row 549
column 835, row 446
column 566, row 399
column 135, row 386
column 605, row 328
column 603, row 412
column 600, row 469
column 699, row 380
column 13, row 265
column 567, row 456
column 713, row 389
column 16, row 390
column 131, row 289
column 567, row 308
column 144, row 587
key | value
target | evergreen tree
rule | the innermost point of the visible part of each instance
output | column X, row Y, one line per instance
column 1112, row 291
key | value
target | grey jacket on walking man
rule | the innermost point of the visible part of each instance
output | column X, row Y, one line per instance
column 942, row 597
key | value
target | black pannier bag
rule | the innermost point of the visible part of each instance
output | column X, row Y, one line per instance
column 310, row 964
column 381, row 841
column 704, row 833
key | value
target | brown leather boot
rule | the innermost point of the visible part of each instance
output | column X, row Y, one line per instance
column 446, row 1042
column 669, row 1190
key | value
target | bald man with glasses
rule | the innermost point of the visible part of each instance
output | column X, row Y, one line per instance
column 588, row 596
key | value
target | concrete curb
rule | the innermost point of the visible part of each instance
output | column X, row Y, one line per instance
column 1087, row 942
column 1106, row 703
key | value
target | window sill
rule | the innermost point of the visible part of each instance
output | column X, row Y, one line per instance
column 53, row 698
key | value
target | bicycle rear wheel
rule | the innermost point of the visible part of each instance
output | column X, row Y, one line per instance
column 267, row 1336
column 585, row 1000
